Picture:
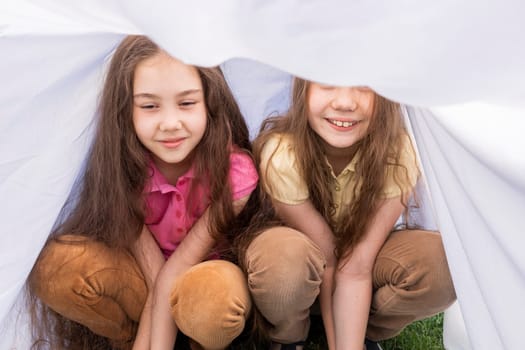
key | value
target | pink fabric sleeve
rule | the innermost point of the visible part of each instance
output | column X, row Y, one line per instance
column 243, row 175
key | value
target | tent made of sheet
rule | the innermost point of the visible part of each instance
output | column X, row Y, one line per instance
column 457, row 66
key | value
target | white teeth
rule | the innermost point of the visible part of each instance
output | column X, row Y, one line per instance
column 340, row 123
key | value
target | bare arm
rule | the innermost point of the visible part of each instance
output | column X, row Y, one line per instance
column 150, row 260
column 320, row 233
column 191, row 251
column 353, row 290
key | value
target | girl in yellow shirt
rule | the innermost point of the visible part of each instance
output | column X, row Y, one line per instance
column 339, row 168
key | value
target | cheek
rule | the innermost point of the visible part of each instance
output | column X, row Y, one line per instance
column 368, row 102
column 369, row 110
column 203, row 125
column 313, row 106
column 141, row 126
column 314, row 112
column 136, row 124
column 366, row 130
column 311, row 113
column 320, row 106
column 200, row 123
column 312, row 120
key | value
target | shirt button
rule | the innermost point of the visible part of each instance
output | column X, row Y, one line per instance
column 178, row 197
column 178, row 214
column 337, row 188
column 336, row 206
column 180, row 230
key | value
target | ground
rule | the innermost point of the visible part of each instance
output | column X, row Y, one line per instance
column 423, row 335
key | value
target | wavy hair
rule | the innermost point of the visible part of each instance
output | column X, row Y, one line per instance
column 109, row 205
column 379, row 149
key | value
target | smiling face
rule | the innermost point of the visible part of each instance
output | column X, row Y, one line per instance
column 169, row 111
column 339, row 115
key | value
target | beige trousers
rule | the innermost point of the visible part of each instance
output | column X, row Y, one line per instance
column 105, row 291
column 411, row 281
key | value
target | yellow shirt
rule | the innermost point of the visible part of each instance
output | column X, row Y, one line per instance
column 281, row 179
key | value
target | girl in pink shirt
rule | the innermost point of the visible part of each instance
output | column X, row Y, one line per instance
column 137, row 257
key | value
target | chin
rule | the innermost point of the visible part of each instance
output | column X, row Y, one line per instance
column 343, row 144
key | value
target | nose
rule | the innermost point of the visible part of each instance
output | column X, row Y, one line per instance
column 170, row 121
column 345, row 99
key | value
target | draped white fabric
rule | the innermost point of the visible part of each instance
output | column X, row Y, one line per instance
column 460, row 62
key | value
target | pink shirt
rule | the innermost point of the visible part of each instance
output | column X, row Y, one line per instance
column 168, row 217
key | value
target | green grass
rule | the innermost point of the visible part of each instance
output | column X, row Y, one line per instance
column 422, row 335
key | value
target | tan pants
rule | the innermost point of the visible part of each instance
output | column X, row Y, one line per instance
column 411, row 281
column 105, row 291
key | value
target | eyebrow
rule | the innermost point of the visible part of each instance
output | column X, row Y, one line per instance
column 180, row 94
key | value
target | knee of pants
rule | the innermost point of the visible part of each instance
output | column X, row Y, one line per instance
column 210, row 303
column 75, row 276
column 282, row 263
column 414, row 261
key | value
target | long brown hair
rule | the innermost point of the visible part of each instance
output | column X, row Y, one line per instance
column 381, row 147
column 109, row 205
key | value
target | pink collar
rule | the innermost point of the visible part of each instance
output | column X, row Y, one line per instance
column 158, row 183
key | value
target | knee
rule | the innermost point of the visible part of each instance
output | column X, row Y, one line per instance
column 415, row 261
column 60, row 264
column 74, row 270
column 281, row 260
column 210, row 303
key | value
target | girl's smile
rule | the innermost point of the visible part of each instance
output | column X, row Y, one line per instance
column 342, row 124
column 172, row 143
column 339, row 115
column 169, row 112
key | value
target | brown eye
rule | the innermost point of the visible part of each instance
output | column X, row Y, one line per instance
column 148, row 106
column 187, row 104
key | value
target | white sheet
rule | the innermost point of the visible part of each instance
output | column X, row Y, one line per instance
column 461, row 61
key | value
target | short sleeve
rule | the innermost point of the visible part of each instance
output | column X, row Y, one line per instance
column 279, row 171
column 243, row 175
column 408, row 170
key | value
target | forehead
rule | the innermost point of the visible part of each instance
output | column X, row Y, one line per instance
column 162, row 72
